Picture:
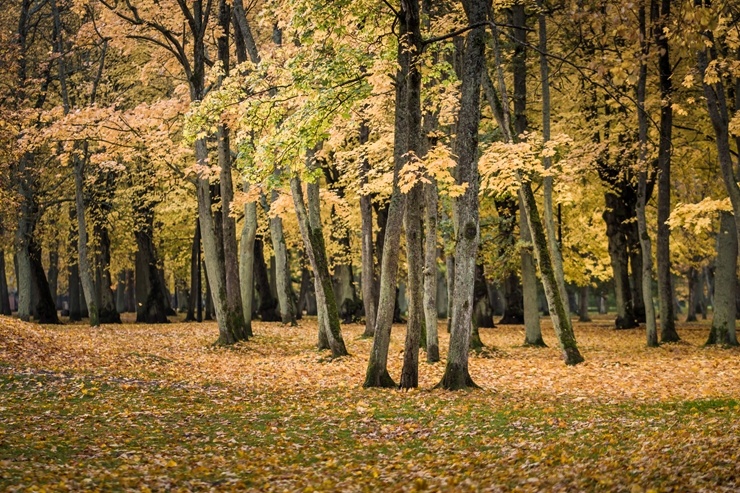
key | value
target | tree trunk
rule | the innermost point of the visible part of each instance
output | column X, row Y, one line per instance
column 73, row 281
column 660, row 16
column 268, row 305
column 645, row 245
column 150, row 303
column 195, row 278
column 583, row 305
column 246, row 262
column 107, row 302
column 84, row 265
column 53, row 272
column 619, row 260
column 548, row 216
column 45, row 308
column 234, row 311
column 121, row 292
column 465, row 207
column 692, row 279
column 532, row 329
column 369, row 275
column 723, row 321
column 282, row 268
column 4, row 295
column 414, row 209
column 309, row 222
column 431, row 271
column 377, row 372
column 482, row 309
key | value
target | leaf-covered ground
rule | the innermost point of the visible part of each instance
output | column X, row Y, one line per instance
column 142, row 407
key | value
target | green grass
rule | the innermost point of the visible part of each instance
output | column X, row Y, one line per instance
column 75, row 432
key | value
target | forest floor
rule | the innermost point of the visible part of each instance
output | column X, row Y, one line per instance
column 160, row 408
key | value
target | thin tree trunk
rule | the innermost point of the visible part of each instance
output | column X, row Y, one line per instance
column 53, row 272
column 282, row 266
column 268, row 305
column 234, row 311
column 660, row 15
column 369, row 277
column 107, row 303
column 246, row 261
column 692, row 280
column 4, row 295
column 313, row 239
column 414, row 208
column 377, row 368
column 195, row 286
column 532, row 329
column 85, row 268
column 430, row 270
column 647, row 256
column 583, row 305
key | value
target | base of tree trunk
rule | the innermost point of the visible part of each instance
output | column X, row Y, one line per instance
column 715, row 339
column 476, row 343
column 624, row 323
column 537, row 343
column 586, row 319
column 379, row 378
column 572, row 356
column 109, row 316
column 512, row 319
column 669, row 336
column 409, row 380
column 456, row 377
column 432, row 354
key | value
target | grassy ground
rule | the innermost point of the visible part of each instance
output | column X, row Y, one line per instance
column 139, row 408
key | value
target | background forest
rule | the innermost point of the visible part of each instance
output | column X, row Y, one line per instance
column 372, row 161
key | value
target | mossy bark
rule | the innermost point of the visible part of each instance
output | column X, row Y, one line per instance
column 723, row 330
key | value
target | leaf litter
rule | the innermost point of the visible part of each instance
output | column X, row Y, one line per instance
column 161, row 408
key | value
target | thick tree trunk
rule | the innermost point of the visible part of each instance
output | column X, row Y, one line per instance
column 618, row 254
column 268, row 305
column 150, row 303
column 723, row 321
column 73, row 281
column 45, row 308
column 107, row 302
column 465, row 208
column 346, row 295
column 121, row 292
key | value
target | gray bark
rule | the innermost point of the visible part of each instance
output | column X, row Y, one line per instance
column 661, row 10
column 309, row 222
column 723, row 322
column 84, row 265
column 246, row 262
column 369, row 277
column 465, row 208
column 651, row 332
